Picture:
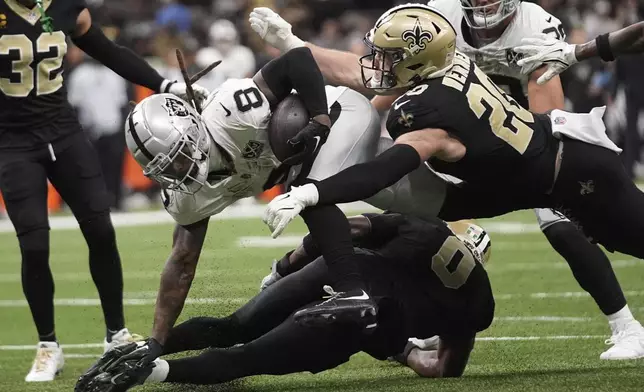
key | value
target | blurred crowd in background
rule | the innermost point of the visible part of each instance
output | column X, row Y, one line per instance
column 208, row 30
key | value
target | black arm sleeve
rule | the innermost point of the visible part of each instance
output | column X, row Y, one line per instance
column 119, row 59
column 366, row 179
column 297, row 69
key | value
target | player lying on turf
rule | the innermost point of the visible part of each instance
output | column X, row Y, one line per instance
column 41, row 140
column 207, row 161
column 425, row 279
column 559, row 56
column 456, row 118
column 487, row 31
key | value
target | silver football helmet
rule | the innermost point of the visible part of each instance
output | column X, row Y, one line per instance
column 485, row 14
column 169, row 140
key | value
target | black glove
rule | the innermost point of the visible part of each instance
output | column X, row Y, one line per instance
column 308, row 141
column 143, row 355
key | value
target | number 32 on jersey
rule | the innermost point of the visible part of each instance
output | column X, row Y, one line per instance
column 22, row 51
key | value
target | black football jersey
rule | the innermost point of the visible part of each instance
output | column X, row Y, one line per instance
column 506, row 144
column 440, row 286
column 33, row 100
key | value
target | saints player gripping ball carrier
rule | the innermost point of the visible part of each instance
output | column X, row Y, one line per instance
column 457, row 119
column 41, row 140
column 207, row 161
column 487, row 32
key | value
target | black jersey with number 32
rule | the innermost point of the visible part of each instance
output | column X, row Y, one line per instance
column 505, row 143
column 33, row 101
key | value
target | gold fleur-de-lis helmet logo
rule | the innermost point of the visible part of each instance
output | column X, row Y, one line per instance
column 417, row 38
column 3, row 20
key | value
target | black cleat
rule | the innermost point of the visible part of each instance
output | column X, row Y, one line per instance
column 105, row 361
column 354, row 307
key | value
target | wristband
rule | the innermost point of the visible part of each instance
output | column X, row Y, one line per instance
column 603, row 48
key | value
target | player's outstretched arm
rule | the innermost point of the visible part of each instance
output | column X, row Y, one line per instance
column 625, row 41
column 545, row 97
column 449, row 360
column 339, row 68
column 127, row 64
column 177, row 277
column 559, row 56
column 360, row 182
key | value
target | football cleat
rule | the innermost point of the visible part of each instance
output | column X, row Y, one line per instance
column 271, row 278
column 355, row 307
column 121, row 337
column 104, row 363
column 627, row 343
column 48, row 363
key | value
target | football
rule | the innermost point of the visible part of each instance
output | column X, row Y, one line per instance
column 289, row 117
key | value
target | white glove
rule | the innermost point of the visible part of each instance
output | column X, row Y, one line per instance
column 545, row 50
column 271, row 278
column 284, row 208
column 180, row 90
column 273, row 29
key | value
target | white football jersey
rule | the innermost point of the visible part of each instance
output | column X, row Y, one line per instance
column 498, row 59
column 237, row 116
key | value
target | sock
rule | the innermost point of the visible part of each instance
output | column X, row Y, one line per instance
column 51, row 337
column 105, row 267
column 110, row 333
column 619, row 318
column 589, row 265
column 159, row 372
column 37, row 281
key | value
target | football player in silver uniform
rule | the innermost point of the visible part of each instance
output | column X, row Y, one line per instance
column 206, row 161
column 488, row 30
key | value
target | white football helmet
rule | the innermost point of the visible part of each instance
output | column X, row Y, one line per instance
column 485, row 14
column 169, row 140
column 475, row 237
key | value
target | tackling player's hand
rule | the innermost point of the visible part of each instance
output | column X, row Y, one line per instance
column 557, row 55
column 284, row 208
column 273, row 29
column 308, row 142
column 180, row 90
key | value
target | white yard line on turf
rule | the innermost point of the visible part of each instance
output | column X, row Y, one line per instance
column 480, row 339
column 126, row 219
column 555, row 319
column 21, row 303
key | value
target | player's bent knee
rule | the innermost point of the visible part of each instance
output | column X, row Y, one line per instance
column 98, row 229
column 34, row 241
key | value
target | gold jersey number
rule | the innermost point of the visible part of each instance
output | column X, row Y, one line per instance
column 42, row 80
column 453, row 263
column 487, row 97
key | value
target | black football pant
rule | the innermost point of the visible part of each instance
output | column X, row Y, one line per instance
column 72, row 167
column 595, row 191
column 272, row 342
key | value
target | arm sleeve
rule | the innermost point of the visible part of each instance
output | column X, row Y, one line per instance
column 119, row 59
column 361, row 181
column 297, row 69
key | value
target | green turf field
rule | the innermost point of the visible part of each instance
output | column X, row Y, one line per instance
column 547, row 336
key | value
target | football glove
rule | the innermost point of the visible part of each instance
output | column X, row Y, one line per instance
column 284, row 208
column 273, row 29
column 557, row 55
column 181, row 91
column 145, row 354
column 308, row 142
column 271, row 278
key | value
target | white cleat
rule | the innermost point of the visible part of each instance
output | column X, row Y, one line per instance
column 627, row 342
column 48, row 363
column 121, row 337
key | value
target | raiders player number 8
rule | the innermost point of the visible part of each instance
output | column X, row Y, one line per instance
column 44, row 83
